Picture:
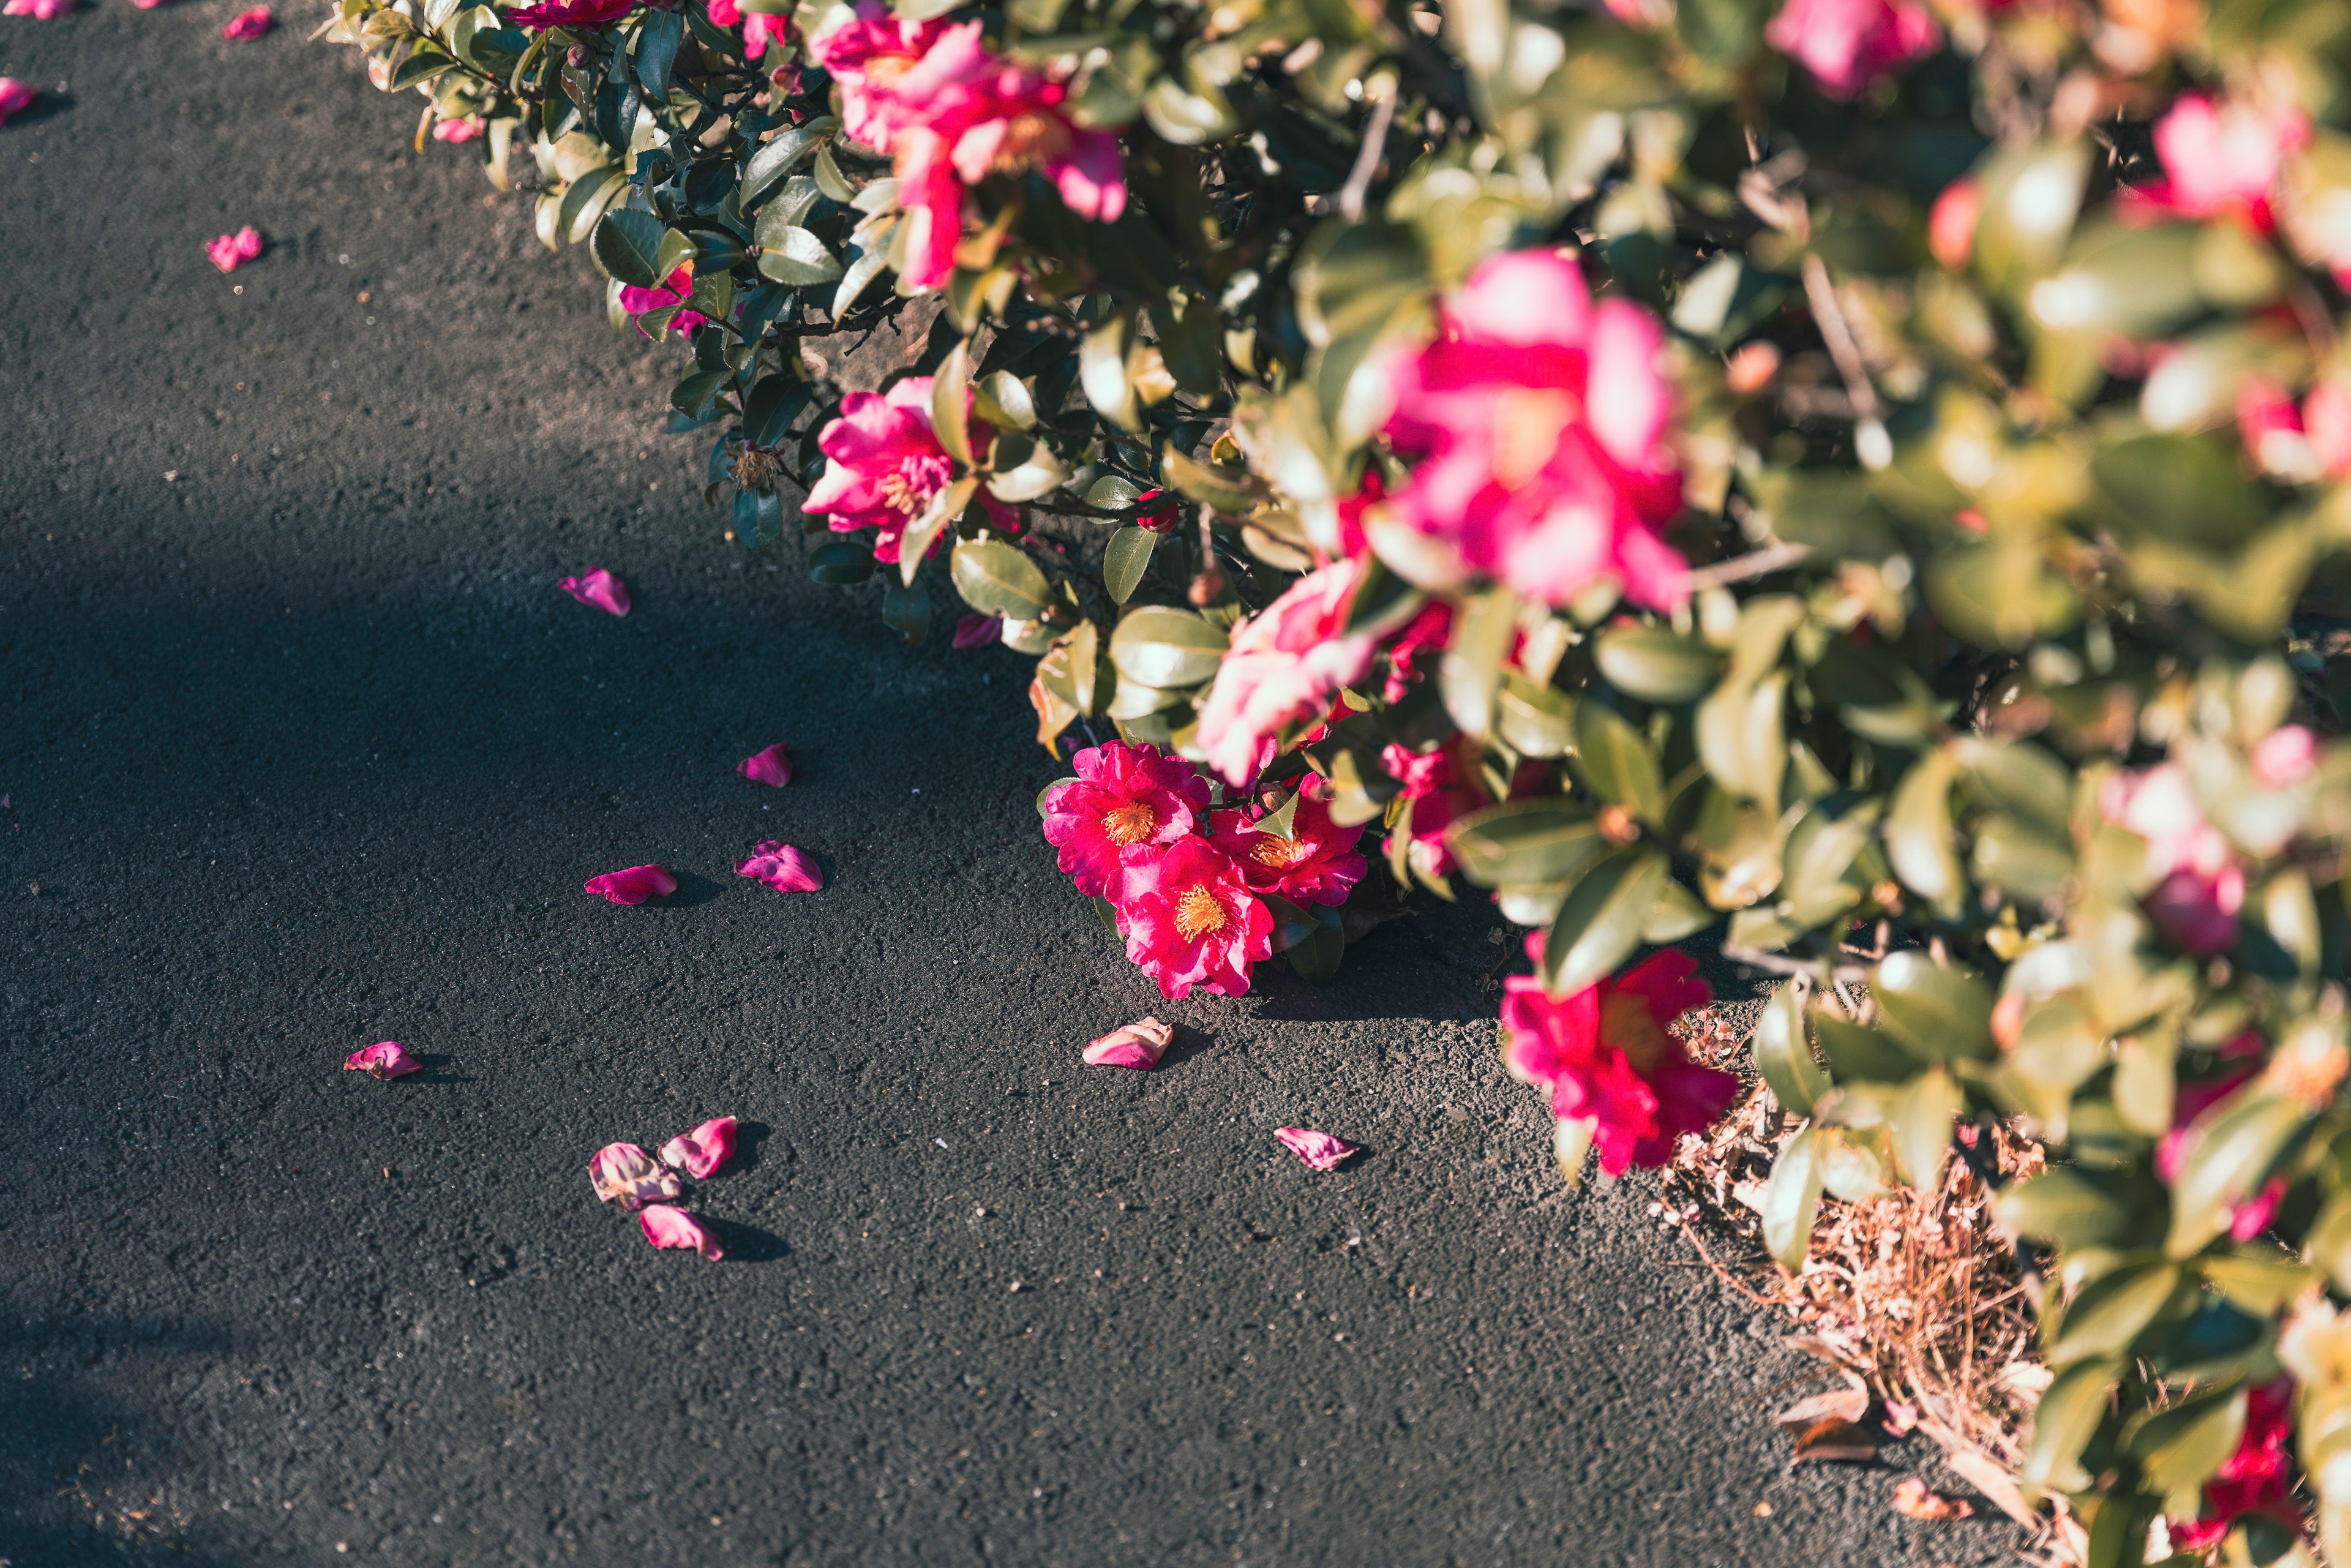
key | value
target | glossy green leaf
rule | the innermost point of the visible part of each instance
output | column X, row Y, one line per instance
column 998, row 578
column 1538, row 840
column 2112, row 1310
column 2227, row 1158
column 1616, row 762
column 950, row 398
column 628, row 245
column 1920, row 1123
column 656, row 50
column 1165, row 648
column 2064, row 1422
column 1785, row 1056
column 1599, row 926
column 1125, row 558
column 798, row 259
column 1943, row 1014
column 1656, row 665
column 1918, row 833
column 1791, row 1199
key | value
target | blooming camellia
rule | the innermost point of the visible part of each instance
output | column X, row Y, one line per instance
column 2219, row 158
column 1315, row 862
column 1849, row 44
column 883, row 464
column 1606, row 1057
column 2257, row 1478
column 701, row 1152
column 1284, row 665
column 1543, row 418
column 674, row 289
column 1191, row 920
column 1128, row 803
column 571, row 13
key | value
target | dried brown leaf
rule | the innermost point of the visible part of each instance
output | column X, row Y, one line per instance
column 1832, row 1439
column 1843, row 1404
column 1913, row 1499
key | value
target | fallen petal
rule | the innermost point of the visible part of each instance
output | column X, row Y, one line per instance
column 1139, row 1045
column 772, row 767
column 625, row 1174
column 1900, row 1418
column 598, row 589
column 1831, row 1438
column 700, row 1152
column 1320, row 1150
column 247, row 25
column 230, row 252
column 1913, row 1500
column 39, row 10
column 15, row 97
column 633, row 885
column 782, row 867
column 674, row 1227
column 383, row 1059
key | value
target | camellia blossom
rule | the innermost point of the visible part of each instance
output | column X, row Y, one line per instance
column 2285, row 757
column 883, row 465
column 759, row 30
column 667, row 1227
column 782, row 867
column 674, row 289
column 1127, row 803
column 2199, row 886
column 625, row 1174
column 230, row 252
column 1606, row 1057
column 570, row 12
column 1285, row 664
column 1849, row 44
column 1543, row 420
column 701, row 1152
column 1438, row 794
column 1951, row 222
column 2257, row 1478
column 867, row 52
column 1321, row 1151
column 1315, row 862
column 2303, row 444
column 599, row 589
column 2220, row 158
column 247, row 26
column 771, row 766
column 382, row 1060
column 633, row 885
column 1139, row 1045
column 1191, row 920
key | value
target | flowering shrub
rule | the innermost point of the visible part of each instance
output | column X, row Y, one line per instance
column 1859, row 478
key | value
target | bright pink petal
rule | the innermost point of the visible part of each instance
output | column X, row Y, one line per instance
column 247, row 25
column 701, row 1152
column 230, row 252
column 2285, row 757
column 726, row 13
column 1627, row 400
column 625, row 1174
column 633, row 885
column 782, row 867
column 39, row 10
column 384, row 1059
column 599, row 589
column 1319, row 1150
column 1139, row 1045
column 466, row 129
column 1089, row 179
column 771, row 767
column 667, row 1226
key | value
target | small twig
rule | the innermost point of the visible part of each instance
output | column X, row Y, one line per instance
column 1870, row 442
column 1381, row 91
column 1755, row 563
column 1780, row 963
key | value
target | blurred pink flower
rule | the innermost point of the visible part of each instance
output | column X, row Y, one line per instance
column 1543, row 420
column 1319, row 1150
column 725, row 13
column 2303, row 444
column 1285, row 664
column 1191, row 920
column 674, row 289
column 782, row 867
column 2258, row 1479
column 598, row 590
column 866, row 53
column 571, row 13
column 1438, row 793
column 1139, row 1045
column 667, row 1226
column 1849, row 44
column 2199, row 886
column 977, row 630
column 384, row 1059
column 771, row 766
column 1951, row 222
column 466, row 129
column 1426, row 632
column 634, row 885
column 1606, row 1057
column 2285, row 757
column 883, row 465
column 1316, row 863
column 625, row 1174
column 40, row 10
column 701, row 1152
column 2220, row 158
column 759, row 30
column 1127, row 803
column 247, row 26
column 232, row 251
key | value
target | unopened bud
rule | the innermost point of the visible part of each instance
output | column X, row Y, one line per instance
column 579, row 57
column 1617, row 826
column 1207, row 586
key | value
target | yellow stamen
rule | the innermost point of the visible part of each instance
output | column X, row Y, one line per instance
column 900, row 495
column 1199, row 913
column 1280, row 854
column 1030, row 140
column 1129, row 824
column 1527, row 424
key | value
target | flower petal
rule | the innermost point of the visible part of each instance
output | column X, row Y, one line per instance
column 625, row 1174
column 771, row 767
column 383, row 1059
column 1319, row 1150
column 634, row 885
column 782, row 867
column 230, row 252
column 247, row 25
column 1139, row 1045
column 701, row 1152
column 667, row 1226
column 15, row 97
column 598, row 589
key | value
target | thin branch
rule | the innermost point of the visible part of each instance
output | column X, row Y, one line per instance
column 1381, row 91
column 1755, row 563
column 1871, row 443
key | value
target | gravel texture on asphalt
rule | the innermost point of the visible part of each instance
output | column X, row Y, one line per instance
column 304, row 750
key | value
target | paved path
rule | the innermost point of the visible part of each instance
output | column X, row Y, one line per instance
column 305, row 750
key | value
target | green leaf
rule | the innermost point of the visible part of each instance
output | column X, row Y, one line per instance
column 775, row 159
column 2181, row 1447
column 1942, row 1014
column 1535, row 721
column 907, row 607
column 2111, row 1310
column 1616, row 762
column 840, row 562
column 656, row 50
column 1229, row 490
column 1921, row 1123
column 798, row 259
column 2064, row 1422
column 1315, row 957
column 1125, row 558
column 774, row 401
column 420, row 67
column 950, row 395
column 1102, row 371
column 1471, row 665
column 1600, row 923
column 1656, row 665
column 1784, row 1057
column 1792, row 1198
column 616, row 111
column 1918, row 833
column 1677, row 914
column 1166, row 648
column 2072, row 1208
column 944, row 508
column 1023, row 468
column 1741, row 739
column 828, row 178
column 2227, row 1158
column 998, row 578
column 627, row 245
column 1525, row 841
column 1056, row 784
column 1856, row 1052
column 1004, row 402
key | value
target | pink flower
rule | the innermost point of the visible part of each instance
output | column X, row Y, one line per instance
column 1139, row 1045
column 1192, row 920
column 464, row 130
column 247, row 26
column 634, row 885
column 232, row 251
column 625, row 1174
column 2194, row 1096
column 40, row 10
column 1321, row 1151
column 701, row 1152
column 383, row 1061
column 1127, row 804
column 2306, row 444
column 1544, row 419
column 675, row 290
column 600, row 589
column 1317, row 862
column 2285, row 757
column 571, row 13
column 1285, row 664
column 2257, row 1478
column 2220, row 158
column 759, row 30
column 866, row 53
column 2199, row 885
column 977, row 630
column 725, row 13
column 1951, row 224
column 1606, row 1057
column 1849, row 44
column 883, row 465
column 782, row 867
column 667, row 1226
column 1426, row 632
column 771, row 767
column 1439, row 793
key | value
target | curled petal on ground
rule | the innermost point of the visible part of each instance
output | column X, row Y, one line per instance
column 667, row 1226
column 230, row 252
column 1320, row 1150
column 385, row 1059
column 599, row 589
column 771, row 767
column 15, row 97
column 1913, row 1499
column 1139, row 1045
column 39, row 10
column 625, row 1174
column 247, row 26
column 633, row 885
column 782, row 867
column 701, row 1152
